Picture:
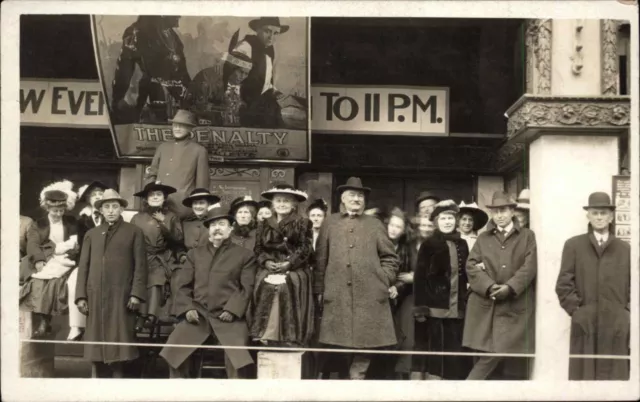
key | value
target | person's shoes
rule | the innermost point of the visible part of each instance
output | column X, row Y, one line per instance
column 75, row 334
column 432, row 377
column 416, row 376
column 43, row 330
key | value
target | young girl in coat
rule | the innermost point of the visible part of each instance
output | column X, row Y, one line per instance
column 163, row 238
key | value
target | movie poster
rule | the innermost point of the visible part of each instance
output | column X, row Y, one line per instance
column 245, row 80
column 622, row 201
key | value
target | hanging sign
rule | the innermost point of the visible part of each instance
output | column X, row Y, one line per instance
column 622, row 201
column 245, row 79
column 414, row 111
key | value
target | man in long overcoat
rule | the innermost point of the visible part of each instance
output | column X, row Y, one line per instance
column 594, row 289
column 355, row 267
column 112, row 282
column 215, row 286
column 501, row 269
column 182, row 164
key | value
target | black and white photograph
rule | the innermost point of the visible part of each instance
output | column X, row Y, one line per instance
column 432, row 197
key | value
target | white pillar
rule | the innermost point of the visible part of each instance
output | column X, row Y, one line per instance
column 564, row 170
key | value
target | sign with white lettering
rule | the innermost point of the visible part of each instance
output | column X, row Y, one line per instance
column 414, row 111
column 622, row 201
column 62, row 103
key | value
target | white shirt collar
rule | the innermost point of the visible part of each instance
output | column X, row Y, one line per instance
column 603, row 237
column 507, row 229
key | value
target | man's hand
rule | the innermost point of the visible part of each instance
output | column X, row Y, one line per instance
column 406, row 277
column 499, row 292
column 183, row 259
column 192, row 317
column 83, row 307
column 159, row 216
column 133, row 304
column 421, row 317
column 393, row 292
column 284, row 266
column 39, row 265
column 226, row 316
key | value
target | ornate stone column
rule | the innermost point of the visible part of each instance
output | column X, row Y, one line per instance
column 571, row 122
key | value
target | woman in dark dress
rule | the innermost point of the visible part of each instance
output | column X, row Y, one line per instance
column 51, row 256
column 200, row 200
column 163, row 238
column 244, row 210
column 440, row 290
column 282, row 306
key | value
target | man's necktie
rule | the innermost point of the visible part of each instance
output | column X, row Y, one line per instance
column 600, row 242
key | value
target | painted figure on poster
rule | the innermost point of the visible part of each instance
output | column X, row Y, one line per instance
column 164, row 241
column 151, row 45
column 501, row 269
column 355, row 266
column 182, row 163
column 594, row 288
column 213, row 308
column 89, row 218
column 282, row 307
column 112, row 279
column 51, row 256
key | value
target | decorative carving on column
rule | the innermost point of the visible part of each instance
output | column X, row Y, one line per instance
column 538, row 43
column 609, row 57
column 561, row 113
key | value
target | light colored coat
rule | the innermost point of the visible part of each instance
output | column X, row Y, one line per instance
column 355, row 266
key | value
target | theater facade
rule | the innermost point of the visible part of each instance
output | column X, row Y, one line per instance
column 460, row 107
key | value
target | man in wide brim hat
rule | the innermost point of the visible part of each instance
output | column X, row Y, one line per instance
column 155, row 186
column 185, row 117
column 288, row 189
column 216, row 214
column 271, row 21
column 480, row 218
column 523, row 200
column 240, row 202
column 599, row 200
column 111, row 195
column 353, row 183
column 200, row 194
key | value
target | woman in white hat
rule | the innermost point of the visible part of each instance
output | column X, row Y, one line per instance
column 163, row 237
column 52, row 253
column 470, row 220
column 282, row 306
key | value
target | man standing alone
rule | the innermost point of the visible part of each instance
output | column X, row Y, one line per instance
column 594, row 289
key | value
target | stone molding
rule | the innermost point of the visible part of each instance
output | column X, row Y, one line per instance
column 531, row 114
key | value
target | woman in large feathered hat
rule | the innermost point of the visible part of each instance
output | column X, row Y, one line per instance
column 282, row 305
column 163, row 233
column 52, row 253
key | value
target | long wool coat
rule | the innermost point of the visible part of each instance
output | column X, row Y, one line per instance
column 210, row 282
column 356, row 265
column 506, row 326
column 85, row 223
column 594, row 289
column 183, row 165
column 195, row 234
column 113, row 267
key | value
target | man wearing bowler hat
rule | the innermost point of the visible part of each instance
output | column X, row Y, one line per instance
column 182, row 163
column 356, row 264
column 258, row 90
column 501, row 269
column 593, row 287
column 214, row 289
column 112, row 283
column 426, row 203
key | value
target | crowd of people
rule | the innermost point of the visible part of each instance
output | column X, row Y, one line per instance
column 450, row 279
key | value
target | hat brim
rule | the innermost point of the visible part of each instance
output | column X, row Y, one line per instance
column 608, row 206
column 256, row 24
column 156, row 187
column 207, row 222
column 211, row 199
column 513, row 205
column 235, row 208
column 92, row 186
column 522, row 206
column 122, row 202
column 428, row 197
column 186, row 123
column 341, row 189
column 480, row 218
column 270, row 194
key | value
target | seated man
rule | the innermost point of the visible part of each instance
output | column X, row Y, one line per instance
column 214, row 286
